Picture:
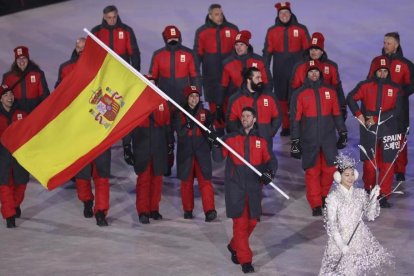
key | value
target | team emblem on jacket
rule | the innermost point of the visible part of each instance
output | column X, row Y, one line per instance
column 295, row 33
column 398, row 68
column 32, row 78
column 254, row 64
column 390, row 92
column 227, row 33
column 326, row 70
column 327, row 95
column 182, row 58
column 161, row 107
column 106, row 106
column 258, row 145
column 265, row 102
column 121, row 35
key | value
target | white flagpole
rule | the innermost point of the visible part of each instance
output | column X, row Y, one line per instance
column 165, row 96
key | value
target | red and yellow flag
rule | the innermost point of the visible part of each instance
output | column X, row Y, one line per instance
column 96, row 105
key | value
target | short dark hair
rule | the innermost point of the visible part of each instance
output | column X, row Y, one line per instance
column 109, row 9
column 394, row 35
column 248, row 73
column 250, row 109
column 214, row 6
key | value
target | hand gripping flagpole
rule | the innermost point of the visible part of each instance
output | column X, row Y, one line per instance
column 166, row 97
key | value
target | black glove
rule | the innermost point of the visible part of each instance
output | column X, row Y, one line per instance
column 170, row 149
column 295, row 149
column 344, row 112
column 266, row 177
column 212, row 139
column 342, row 141
column 220, row 114
column 128, row 155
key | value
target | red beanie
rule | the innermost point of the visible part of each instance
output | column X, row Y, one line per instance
column 317, row 41
column 244, row 37
column 282, row 6
column 313, row 64
column 188, row 90
column 380, row 62
column 4, row 89
column 21, row 51
column 171, row 32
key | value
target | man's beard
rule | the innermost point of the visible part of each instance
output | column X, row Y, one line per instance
column 258, row 87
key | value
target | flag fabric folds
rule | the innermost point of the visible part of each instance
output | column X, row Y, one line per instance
column 96, row 105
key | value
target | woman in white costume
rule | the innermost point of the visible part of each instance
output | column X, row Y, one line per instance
column 345, row 207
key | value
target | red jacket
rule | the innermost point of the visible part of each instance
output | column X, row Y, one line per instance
column 150, row 141
column 240, row 182
column 31, row 90
column 233, row 67
column 330, row 77
column 269, row 116
column 314, row 116
column 192, row 143
column 212, row 44
column 375, row 94
column 121, row 39
column 174, row 67
column 284, row 43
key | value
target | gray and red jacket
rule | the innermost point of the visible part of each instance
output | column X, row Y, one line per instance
column 402, row 73
column 269, row 116
column 121, row 39
column 192, row 143
column 7, row 162
column 375, row 94
column 240, row 182
column 232, row 77
column 29, row 91
column 314, row 116
column 175, row 67
column 284, row 43
column 150, row 141
column 329, row 71
column 212, row 44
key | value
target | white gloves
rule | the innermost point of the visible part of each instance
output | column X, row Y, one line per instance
column 374, row 192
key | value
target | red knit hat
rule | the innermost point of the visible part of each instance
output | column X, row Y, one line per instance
column 244, row 37
column 282, row 6
column 317, row 41
column 188, row 90
column 313, row 64
column 171, row 32
column 21, row 51
column 380, row 62
column 4, row 89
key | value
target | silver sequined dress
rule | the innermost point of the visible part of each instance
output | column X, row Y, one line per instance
column 342, row 214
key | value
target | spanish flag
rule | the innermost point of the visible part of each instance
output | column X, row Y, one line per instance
column 96, row 105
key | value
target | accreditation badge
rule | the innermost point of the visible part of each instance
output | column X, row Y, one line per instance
column 32, row 78
column 182, row 58
column 390, row 92
column 398, row 68
column 227, row 33
column 121, row 35
column 265, row 102
column 161, row 107
column 327, row 95
column 19, row 116
column 326, row 70
column 202, row 117
column 296, row 33
column 258, row 144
